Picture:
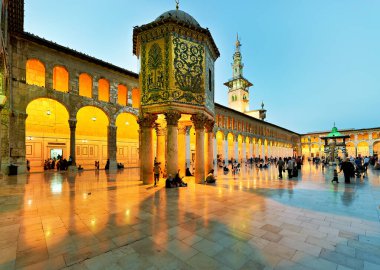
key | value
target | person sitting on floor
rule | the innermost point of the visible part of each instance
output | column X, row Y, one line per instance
column 188, row 173
column 178, row 180
column 169, row 183
column 210, row 179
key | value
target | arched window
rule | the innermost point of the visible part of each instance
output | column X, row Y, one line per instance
column 35, row 72
column 122, row 95
column 104, row 90
column 85, row 85
column 136, row 98
column 60, row 79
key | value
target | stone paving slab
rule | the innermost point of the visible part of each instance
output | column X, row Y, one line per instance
column 249, row 221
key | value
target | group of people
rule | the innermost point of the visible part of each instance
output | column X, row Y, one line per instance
column 59, row 163
column 291, row 164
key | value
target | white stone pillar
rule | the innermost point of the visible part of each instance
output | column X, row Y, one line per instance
column 199, row 121
column 111, row 147
column 160, row 147
column 244, row 150
column 250, row 152
column 225, row 148
column 188, row 150
column 182, row 149
column 172, row 118
column 146, row 149
column 210, row 144
column 236, row 148
column 215, row 146
column 72, row 124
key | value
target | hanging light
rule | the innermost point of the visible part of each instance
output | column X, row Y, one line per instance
column 93, row 118
column 127, row 123
column 48, row 112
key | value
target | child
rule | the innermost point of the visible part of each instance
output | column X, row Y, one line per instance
column 335, row 179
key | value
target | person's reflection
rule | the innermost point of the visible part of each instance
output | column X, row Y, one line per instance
column 290, row 189
column 280, row 188
column 348, row 195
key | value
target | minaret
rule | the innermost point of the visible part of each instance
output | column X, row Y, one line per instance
column 238, row 92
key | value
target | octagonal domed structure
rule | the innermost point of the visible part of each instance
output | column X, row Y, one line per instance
column 178, row 15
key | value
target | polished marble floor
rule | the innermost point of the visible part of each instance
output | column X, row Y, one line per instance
column 254, row 220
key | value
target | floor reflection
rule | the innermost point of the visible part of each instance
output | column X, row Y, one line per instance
column 252, row 220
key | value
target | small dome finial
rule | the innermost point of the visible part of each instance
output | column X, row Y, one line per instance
column 262, row 105
column 237, row 44
column 176, row 4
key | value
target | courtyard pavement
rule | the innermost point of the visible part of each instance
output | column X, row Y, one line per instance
column 96, row 220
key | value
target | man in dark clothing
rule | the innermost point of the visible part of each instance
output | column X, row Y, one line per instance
column 280, row 165
column 348, row 169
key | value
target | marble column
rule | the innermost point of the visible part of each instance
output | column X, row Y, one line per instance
column 182, row 149
column 236, row 149
column 244, row 151
column 146, row 123
column 111, row 147
column 210, row 144
column 225, row 148
column 250, row 148
column 17, row 147
column 172, row 118
column 199, row 121
column 160, row 146
column 188, row 150
column 72, row 125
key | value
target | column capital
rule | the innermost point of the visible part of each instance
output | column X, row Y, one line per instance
column 147, row 120
column 199, row 120
column 160, row 131
column 182, row 129
column 72, row 123
column 209, row 125
column 172, row 117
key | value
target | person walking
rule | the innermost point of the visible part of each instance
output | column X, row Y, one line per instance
column 280, row 165
column 156, row 170
column 348, row 169
column 290, row 167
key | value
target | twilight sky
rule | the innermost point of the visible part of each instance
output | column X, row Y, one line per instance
column 311, row 62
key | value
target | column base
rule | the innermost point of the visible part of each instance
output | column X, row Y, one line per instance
column 113, row 166
column 72, row 169
column 199, row 177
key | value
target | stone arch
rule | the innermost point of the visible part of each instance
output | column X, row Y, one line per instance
column 363, row 148
column 47, row 131
column 104, row 88
column 92, row 136
column 85, row 85
column 61, row 78
column 93, row 103
column 127, row 138
column 376, row 147
column 35, row 72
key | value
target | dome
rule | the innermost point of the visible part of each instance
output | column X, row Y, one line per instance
column 179, row 16
column 334, row 132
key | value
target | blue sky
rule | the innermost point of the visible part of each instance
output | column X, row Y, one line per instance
column 312, row 62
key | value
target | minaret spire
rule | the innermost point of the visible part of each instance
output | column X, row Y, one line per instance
column 176, row 4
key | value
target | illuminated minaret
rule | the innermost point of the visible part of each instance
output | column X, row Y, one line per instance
column 238, row 86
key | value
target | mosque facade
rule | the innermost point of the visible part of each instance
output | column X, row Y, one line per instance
column 56, row 101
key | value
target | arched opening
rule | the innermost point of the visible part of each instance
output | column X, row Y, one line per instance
column 363, row 149
column 85, row 85
column 240, row 147
column 103, row 90
column 47, row 132
column 259, row 149
column 136, row 98
column 231, row 146
column 60, row 79
column 35, row 72
column 127, row 139
column 315, row 150
column 248, row 148
column 219, row 145
column 91, row 137
column 376, row 148
column 122, row 95
column 350, row 149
